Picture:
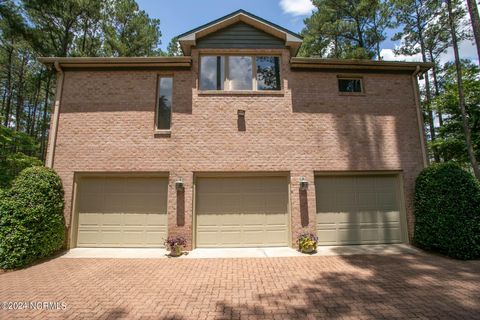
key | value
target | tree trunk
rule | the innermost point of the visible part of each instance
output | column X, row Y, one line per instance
column 43, row 142
column 473, row 10
column 436, row 85
column 461, row 97
column 35, row 105
column 8, row 87
column 20, row 97
column 428, row 94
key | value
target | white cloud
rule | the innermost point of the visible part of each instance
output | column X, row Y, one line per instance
column 389, row 55
column 297, row 7
column 467, row 50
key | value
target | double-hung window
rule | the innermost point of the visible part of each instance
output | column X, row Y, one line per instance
column 240, row 73
column 164, row 103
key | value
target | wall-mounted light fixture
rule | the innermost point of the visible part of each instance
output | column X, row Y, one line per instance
column 242, row 126
column 303, row 183
column 179, row 185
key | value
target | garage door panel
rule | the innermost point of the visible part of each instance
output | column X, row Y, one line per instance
column 112, row 185
column 122, row 212
column 367, row 200
column 387, row 199
column 91, row 202
column 113, row 203
column 275, row 219
column 327, row 236
column 248, row 212
column 365, row 209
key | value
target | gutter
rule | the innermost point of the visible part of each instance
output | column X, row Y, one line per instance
column 357, row 64
column 421, row 123
column 52, row 137
column 118, row 62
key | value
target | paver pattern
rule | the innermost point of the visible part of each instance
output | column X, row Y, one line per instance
column 413, row 286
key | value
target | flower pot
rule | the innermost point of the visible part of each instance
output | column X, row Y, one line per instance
column 309, row 249
column 176, row 251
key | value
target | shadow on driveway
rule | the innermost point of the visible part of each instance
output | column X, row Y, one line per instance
column 373, row 286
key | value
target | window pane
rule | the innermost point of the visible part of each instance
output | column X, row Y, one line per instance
column 212, row 72
column 268, row 73
column 240, row 73
column 350, row 85
column 164, row 112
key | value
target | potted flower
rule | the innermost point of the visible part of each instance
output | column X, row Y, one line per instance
column 175, row 245
column 307, row 243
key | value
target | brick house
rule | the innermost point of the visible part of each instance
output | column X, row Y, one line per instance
column 238, row 143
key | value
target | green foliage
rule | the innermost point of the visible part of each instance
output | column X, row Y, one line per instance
column 346, row 29
column 173, row 48
column 14, row 147
column 447, row 211
column 12, row 165
column 129, row 31
column 450, row 143
column 31, row 218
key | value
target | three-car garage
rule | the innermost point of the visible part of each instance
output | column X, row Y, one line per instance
column 238, row 210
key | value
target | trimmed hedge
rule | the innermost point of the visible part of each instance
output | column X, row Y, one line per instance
column 447, row 211
column 31, row 218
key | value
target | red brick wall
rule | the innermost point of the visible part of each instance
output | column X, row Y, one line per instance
column 107, row 124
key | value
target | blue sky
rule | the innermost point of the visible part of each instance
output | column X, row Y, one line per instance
column 178, row 16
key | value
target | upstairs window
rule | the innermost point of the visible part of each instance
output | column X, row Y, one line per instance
column 212, row 75
column 268, row 73
column 353, row 85
column 164, row 104
column 240, row 73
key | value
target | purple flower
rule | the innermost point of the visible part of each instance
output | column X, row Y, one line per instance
column 172, row 242
column 308, row 235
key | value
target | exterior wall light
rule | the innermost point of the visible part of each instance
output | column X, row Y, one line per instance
column 303, row 183
column 179, row 185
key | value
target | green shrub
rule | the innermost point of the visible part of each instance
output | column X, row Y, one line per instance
column 12, row 165
column 447, row 211
column 31, row 218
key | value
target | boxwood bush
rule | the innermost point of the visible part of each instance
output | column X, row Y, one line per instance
column 447, row 211
column 31, row 218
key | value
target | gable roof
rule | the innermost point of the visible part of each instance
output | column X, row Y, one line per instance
column 189, row 38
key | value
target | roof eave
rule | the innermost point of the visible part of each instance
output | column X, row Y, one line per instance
column 119, row 62
column 317, row 63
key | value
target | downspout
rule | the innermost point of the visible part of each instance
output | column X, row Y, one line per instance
column 52, row 138
column 421, row 124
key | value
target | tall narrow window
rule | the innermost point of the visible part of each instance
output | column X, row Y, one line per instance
column 164, row 106
column 212, row 72
column 268, row 73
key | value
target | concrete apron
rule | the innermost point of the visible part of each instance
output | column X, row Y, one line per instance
column 220, row 253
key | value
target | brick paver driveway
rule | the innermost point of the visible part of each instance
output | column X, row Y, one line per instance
column 395, row 286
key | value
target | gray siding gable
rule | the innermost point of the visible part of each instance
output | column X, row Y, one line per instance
column 240, row 35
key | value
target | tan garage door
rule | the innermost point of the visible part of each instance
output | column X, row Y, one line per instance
column 242, row 212
column 122, row 212
column 358, row 209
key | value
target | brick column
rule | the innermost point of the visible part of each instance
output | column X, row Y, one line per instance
column 180, row 219
column 303, row 211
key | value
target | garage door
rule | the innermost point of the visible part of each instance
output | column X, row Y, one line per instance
column 242, row 212
column 122, row 212
column 358, row 210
